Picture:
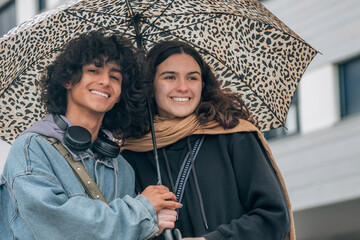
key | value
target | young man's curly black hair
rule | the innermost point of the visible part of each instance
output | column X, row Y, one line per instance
column 93, row 47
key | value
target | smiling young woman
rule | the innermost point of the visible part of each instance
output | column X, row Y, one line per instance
column 211, row 154
column 177, row 86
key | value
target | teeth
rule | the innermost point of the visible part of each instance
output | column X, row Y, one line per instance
column 181, row 99
column 100, row 93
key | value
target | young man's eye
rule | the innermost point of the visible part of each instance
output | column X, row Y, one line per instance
column 115, row 78
column 92, row 70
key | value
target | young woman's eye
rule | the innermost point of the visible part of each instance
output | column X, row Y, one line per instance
column 194, row 78
column 92, row 70
column 169, row 77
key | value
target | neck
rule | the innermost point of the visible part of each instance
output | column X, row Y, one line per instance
column 90, row 121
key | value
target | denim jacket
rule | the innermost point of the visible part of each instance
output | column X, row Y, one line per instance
column 41, row 198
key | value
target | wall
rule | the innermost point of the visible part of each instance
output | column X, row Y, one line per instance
column 319, row 104
column 25, row 9
column 321, row 165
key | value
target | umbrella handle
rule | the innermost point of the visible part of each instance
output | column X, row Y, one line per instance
column 168, row 234
column 177, row 234
column 156, row 156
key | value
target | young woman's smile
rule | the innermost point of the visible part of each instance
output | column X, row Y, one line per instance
column 177, row 86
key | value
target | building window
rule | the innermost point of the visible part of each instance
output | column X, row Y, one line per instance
column 41, row 5
column 349, row 76
column 292, row 122
column 7, row 17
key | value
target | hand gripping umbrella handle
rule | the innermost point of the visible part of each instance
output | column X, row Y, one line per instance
column 175, row 235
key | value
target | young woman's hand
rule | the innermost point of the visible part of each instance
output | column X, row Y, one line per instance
column 166, row 219
column 160, row 197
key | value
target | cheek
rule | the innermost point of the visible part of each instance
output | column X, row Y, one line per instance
column 118, row 89
column 158, row 98
column 198, row 91
column 160, row 91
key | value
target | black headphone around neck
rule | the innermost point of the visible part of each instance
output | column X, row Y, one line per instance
column 78, row 139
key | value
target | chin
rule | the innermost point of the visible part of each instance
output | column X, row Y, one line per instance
column 182, row 115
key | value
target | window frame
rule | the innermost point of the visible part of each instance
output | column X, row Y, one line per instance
column 343, row 75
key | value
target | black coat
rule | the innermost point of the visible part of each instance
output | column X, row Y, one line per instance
column 242, row 196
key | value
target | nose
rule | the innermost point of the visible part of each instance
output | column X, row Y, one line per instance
column 104, row 79
column 182, row 85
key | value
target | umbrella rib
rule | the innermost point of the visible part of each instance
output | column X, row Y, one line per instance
column 223, row 63
column 145, row 10
column 96, row 24
column 87, row 20
column 162, row 13
column 184, row 26
column 192, row 24
column 129, row 7
column 21, row 72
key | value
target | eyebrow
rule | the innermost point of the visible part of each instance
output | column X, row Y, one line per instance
column 172, row 72
column 115, row 70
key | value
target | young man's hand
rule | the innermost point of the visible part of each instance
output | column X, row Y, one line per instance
column 160, row 197
column 166, row 219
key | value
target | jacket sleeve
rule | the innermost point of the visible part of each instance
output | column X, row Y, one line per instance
column 260, row 193
column 50, row 213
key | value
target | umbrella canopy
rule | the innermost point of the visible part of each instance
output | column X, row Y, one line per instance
column 253, row 52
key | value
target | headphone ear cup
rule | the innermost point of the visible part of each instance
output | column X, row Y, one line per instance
column 106, row 147
column 77, row 138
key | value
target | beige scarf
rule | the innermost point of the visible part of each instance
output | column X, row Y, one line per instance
column 169, row 131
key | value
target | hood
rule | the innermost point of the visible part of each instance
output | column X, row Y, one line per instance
column 48, row 128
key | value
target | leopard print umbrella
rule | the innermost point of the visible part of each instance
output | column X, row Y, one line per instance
column 253, row 52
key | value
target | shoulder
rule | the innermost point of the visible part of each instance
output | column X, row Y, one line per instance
column 236, row 137
column 27, row 151
column 245, row 126
column 124, row 166
column 122, row 161
column 235, row 141
column 28, row 141
column 132, row 157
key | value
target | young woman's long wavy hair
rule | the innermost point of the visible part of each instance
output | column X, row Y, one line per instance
column 93, row 47
column 221, row 105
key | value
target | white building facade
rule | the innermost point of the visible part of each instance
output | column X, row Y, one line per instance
column 321, row 163
column 320, row 154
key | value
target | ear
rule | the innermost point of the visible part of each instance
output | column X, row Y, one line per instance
column 118, row 100
column 68, row 86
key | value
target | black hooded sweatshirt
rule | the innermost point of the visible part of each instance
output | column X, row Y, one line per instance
column 241, row 194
